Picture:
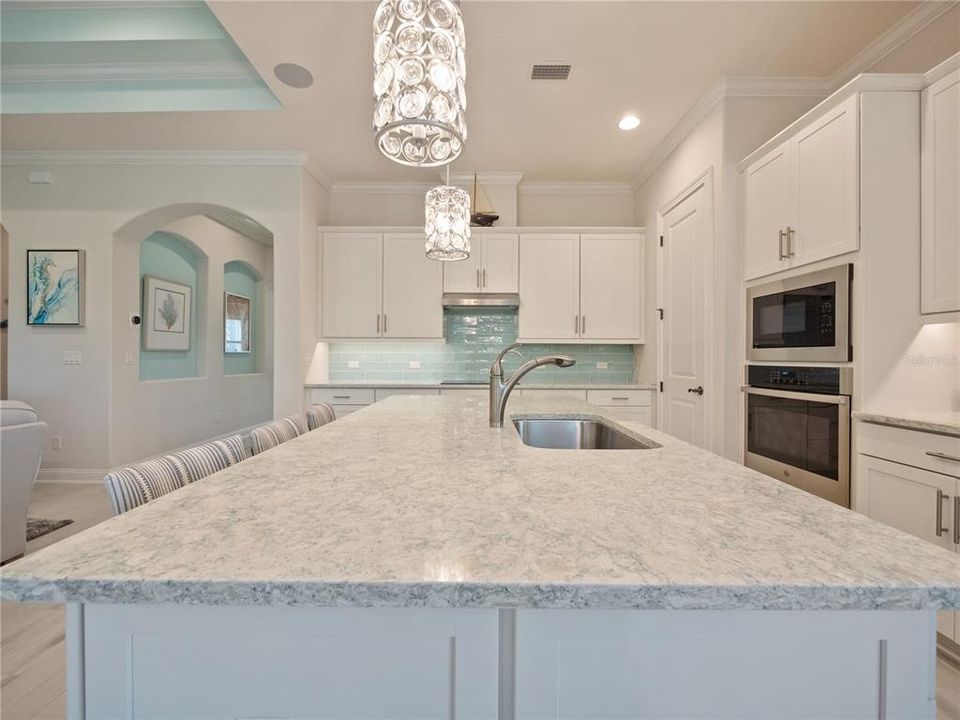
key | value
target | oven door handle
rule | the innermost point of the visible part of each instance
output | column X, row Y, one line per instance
column 796, row 395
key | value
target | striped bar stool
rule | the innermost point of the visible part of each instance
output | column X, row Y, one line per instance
column 275, row 433
column 202, row 460
column 138, row 484
column 319, row 414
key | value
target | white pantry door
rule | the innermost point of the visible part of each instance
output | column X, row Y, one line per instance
column 685, row 226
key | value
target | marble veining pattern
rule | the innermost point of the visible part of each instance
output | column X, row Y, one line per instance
column 942, row 422
column 415, row 502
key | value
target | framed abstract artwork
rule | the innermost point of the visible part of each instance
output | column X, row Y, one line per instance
column 55, row 287
column 166, row 314
column 236, row 323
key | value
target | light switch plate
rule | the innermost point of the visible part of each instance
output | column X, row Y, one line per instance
column 353, row 364
column 414, row 364
column 72, row 357
column 601, row 366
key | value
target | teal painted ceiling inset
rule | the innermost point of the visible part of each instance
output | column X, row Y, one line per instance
column 122, row 57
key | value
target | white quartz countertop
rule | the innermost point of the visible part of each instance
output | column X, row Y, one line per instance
column 471, row 385
column 416, row 502
column 943, row 422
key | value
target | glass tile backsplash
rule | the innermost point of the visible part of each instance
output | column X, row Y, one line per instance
column 473, row 339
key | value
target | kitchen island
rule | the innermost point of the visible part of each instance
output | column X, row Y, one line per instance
column 410, row 561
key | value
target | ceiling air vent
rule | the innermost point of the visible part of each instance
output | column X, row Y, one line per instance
column 550, row 71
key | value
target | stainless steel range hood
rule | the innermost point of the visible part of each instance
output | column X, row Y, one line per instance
column 501, row 300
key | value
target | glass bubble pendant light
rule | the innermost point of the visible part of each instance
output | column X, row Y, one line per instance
column 418, row 81
column 447, row 226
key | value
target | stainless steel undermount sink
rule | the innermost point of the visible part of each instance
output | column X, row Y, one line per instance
column 577, row 434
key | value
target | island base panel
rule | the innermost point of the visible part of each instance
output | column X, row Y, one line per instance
column 183, row 661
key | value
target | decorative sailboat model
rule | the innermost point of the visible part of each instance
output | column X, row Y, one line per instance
column 483, row 214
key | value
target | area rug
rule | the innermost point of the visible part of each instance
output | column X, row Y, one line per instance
column 38, row 527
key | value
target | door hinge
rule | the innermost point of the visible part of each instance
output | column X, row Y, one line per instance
column 661, row 241
column 660, row 310
column 661, row 386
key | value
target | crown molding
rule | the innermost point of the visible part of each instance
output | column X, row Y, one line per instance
column 126, row 72
column 484, row 178
column 727, row 87
column 899, row 33
column 951, row 64
column 150, row 157
column 574, row 188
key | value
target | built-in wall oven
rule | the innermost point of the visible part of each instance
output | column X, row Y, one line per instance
column 805, row 318
column 798, row 427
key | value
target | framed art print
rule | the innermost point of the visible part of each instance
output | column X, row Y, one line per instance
column 55, row 287
column 166, row 314
column 236, row 323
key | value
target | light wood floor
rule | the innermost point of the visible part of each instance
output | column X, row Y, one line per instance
column 32, row 662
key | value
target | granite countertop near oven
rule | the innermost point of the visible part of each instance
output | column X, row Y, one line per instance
column 942, row 422
column 417, row 502
column 453, row 385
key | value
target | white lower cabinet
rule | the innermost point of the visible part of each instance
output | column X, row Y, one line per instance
column 918, row 498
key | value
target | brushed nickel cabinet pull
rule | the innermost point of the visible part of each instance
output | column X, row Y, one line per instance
column 941, row 496
column 576, row 324
column 790, row 233
column 341, row 397
column 478, row 277
column 780, row 251
column 384, row 323
column 484, row 283
column 956, row 520
column 943, row 456
column 378, row 323
column 619, row 398
column 583, row 324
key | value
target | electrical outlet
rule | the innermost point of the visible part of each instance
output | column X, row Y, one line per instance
column 353, row 364
column 414, row 364
column 601, row 366
column 56, row 442
column 72, row 357
column 129, row 357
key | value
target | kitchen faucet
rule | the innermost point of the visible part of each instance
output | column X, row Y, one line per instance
column 500, row 390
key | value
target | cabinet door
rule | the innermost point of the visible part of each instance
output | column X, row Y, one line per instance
column 463, row 276
column 907, row 498
column 642, row 415
column 501, row 260
column 940, row 197
column 610, row 278
column 351, row 285
column 827, row 218
column 412, row 286
column 767, row 194
column 549, row 287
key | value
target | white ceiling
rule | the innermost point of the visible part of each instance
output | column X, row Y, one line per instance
column 651, row 58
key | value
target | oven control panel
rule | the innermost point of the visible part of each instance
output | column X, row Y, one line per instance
column 825, row 380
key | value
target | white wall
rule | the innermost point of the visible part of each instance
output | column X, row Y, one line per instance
column 732, row 128
column 86, row 207
column 532, row 208
column 152, row 417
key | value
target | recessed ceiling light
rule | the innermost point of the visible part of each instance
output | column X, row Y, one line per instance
column 293, row 75
column 629, row 122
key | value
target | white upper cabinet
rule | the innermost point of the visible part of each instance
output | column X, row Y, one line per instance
column 351, row 292
column 610, row 271
column 463, row 276
column 940, row 197
column 827, row 217
column 581, row 287
column 412, row 286
column 491, row 268
column 376, row 285
column 550, row 287
column 802, row 198
column 501, row 263
column 768, row 192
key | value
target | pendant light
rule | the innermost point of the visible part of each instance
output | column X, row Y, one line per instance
column 418, row 85
column 447, row 226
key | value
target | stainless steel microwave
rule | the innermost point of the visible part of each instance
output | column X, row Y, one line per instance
column 802, row 318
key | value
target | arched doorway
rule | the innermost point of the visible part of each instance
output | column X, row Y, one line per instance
column 172, row 263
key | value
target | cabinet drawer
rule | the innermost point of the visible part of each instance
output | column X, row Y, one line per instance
column 620, row 397
column 642, row 415
column 382, row 393
column 555, row 393
column 343, row 396
column 910, row 447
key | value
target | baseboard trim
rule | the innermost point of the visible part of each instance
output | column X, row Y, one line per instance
column 71, row 475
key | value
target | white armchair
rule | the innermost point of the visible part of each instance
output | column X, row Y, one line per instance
column 21, row 445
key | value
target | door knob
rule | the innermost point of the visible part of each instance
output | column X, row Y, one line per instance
column 698, row 390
